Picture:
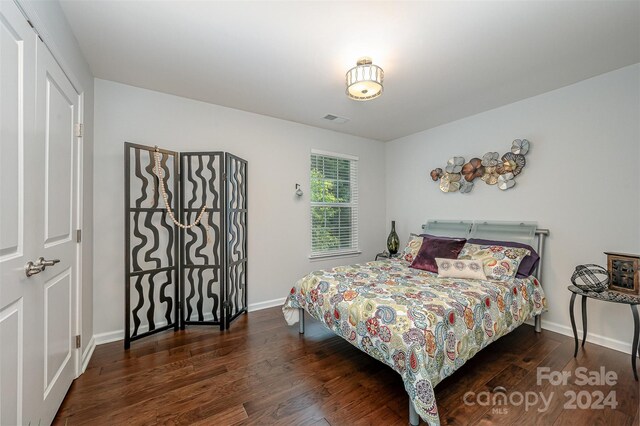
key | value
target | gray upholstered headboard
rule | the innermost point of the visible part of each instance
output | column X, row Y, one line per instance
column 521, row 232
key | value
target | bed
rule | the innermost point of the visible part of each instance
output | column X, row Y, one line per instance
column 422, row 326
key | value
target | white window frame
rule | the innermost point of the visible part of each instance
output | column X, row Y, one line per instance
column 354, row 204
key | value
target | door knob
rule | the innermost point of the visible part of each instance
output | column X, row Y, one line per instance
column 42, row 261
column 32, row 268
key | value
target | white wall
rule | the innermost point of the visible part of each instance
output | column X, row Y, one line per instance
column 51, row 23
column 581, row 181
column 278, row 153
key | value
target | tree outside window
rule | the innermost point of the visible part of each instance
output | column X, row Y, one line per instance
column 333, row 204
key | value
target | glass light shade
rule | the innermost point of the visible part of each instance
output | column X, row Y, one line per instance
column 364, row 81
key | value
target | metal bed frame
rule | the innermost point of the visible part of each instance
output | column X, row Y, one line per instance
column 523, row 232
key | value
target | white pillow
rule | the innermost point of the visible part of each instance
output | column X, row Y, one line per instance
column 459, row 268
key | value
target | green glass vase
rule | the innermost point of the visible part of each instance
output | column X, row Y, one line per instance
column 393, row 242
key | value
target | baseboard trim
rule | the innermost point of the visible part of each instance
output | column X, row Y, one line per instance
column 114, row 336
column 597, row 339
column 88, row 352
column 266, row 304
column 109, row 337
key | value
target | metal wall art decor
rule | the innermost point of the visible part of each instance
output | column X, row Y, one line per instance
column 493, row 169
column 185, row 239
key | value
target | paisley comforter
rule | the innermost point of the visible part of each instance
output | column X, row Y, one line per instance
column 422, row 326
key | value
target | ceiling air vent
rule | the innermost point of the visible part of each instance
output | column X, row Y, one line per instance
column 335, row 118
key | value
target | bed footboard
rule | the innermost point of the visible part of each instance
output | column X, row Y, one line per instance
column 301, row 323
column 414, row 419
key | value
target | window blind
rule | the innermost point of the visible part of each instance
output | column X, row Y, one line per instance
column 334, row 204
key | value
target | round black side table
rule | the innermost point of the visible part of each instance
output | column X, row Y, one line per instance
column 606, row 296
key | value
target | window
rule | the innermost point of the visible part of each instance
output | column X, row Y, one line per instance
column 334, row 204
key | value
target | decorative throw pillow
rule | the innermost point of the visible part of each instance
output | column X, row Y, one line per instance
column 500, row 262
column 528, row 264
column 413, row 246
column 459, row 268
column 432, row 247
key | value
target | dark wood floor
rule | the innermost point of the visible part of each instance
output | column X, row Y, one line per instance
column 264, row 372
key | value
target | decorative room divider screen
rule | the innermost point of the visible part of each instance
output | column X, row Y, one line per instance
column 185, row 239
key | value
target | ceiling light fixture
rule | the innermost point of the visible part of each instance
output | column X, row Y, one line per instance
column 364, row 81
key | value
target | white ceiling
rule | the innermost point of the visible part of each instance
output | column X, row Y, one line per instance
column 442, row 60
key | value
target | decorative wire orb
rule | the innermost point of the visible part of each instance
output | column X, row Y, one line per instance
column 364, row 81
column 590, row 277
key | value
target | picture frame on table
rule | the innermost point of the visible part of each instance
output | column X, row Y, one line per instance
column 623, row 272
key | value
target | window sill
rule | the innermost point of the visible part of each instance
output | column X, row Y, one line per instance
column 315, row 257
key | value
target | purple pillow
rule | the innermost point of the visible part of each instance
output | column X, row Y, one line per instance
column 432, row 247
column 528, row 264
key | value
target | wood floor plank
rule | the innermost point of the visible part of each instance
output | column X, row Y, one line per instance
column 554, row 361
column 263, row 372
column 229, row 416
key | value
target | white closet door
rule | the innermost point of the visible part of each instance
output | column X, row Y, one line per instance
column 20, row 383
column 57, row 112
column 38, row 216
